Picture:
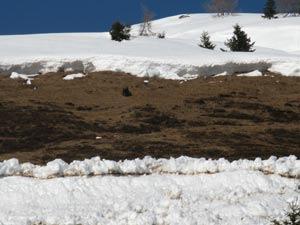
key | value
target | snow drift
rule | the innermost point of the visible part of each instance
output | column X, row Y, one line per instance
column 176, row 57
column 286, row 166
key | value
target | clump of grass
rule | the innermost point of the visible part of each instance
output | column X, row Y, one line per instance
column 292, row 216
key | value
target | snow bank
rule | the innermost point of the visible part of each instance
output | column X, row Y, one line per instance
column 176, row 57
column 286, row 166
column 237, row 197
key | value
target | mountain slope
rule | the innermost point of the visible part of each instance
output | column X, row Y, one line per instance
column 176, row 57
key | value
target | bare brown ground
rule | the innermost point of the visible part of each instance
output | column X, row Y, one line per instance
column 232, row 117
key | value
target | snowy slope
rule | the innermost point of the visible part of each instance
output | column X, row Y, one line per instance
column 176, row 57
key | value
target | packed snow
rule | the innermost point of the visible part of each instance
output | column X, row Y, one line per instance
column 285, row 166
column 238, row 197
column 176, row 57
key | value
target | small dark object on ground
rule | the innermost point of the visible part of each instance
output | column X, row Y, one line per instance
column 161, row 35
column 183, row 16
column 126, row 92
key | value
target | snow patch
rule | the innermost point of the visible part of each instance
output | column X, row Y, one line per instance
column 255, row 73
column 27, row 78
column 74, row 76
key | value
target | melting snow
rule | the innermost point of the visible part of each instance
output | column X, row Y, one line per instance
column 74, row 76
column 27, row 78
column 255, row 73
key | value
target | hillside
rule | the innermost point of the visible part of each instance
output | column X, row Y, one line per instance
column 176, row 57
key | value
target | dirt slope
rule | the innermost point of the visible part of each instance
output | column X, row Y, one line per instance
column 232, row 117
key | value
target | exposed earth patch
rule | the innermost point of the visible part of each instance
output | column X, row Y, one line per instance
column 232, row 117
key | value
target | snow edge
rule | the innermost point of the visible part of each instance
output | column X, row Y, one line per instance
column 284, row 166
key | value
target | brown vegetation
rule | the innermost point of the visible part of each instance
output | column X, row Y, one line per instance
column 232, row 117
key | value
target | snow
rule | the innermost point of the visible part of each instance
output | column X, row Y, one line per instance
column 176, row 57
column 255, row 73
column 73, row 76
column 236, row 197
column 285, row 166
column 27, row 78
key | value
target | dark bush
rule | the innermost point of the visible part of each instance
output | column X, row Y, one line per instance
column 120, row 32
column 126, row 92
column 161, row 35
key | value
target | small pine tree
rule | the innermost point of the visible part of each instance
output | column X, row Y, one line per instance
column 240, row 41
column 205, row 41
column 120, row 32
column 270, row 9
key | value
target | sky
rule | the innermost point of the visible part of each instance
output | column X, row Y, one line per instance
column 57, row 16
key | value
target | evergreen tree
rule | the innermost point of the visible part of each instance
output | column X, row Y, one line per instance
column 120, row 32
column 205, row 41
column 270, row 9
column 240, row 41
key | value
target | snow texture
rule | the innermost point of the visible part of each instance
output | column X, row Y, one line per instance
column 286, row 166
column 238, row 197
column 176, row 57
column 255, row 73
column 73, row 76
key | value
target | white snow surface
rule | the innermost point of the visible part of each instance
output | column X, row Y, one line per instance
column 176, row 57
column 255, row 73
column 178, row 191
column 27, row 78
column 236, row 197
column 285, row 166
column 74, row 76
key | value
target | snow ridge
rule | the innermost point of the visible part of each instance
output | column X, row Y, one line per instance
column 285, row 166
column 138, row 66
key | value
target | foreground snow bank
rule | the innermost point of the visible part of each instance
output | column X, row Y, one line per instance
column 237, row 197
column 286, row 166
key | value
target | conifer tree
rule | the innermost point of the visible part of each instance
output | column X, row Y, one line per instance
column 240, row 42
column 205, row 41
column 270, row 9
column 119, row 32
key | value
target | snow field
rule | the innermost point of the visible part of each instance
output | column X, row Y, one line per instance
column 176, row 57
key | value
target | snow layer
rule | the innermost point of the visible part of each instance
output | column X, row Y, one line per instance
column 176, row 57
column 286, row 166
column 236, row 197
